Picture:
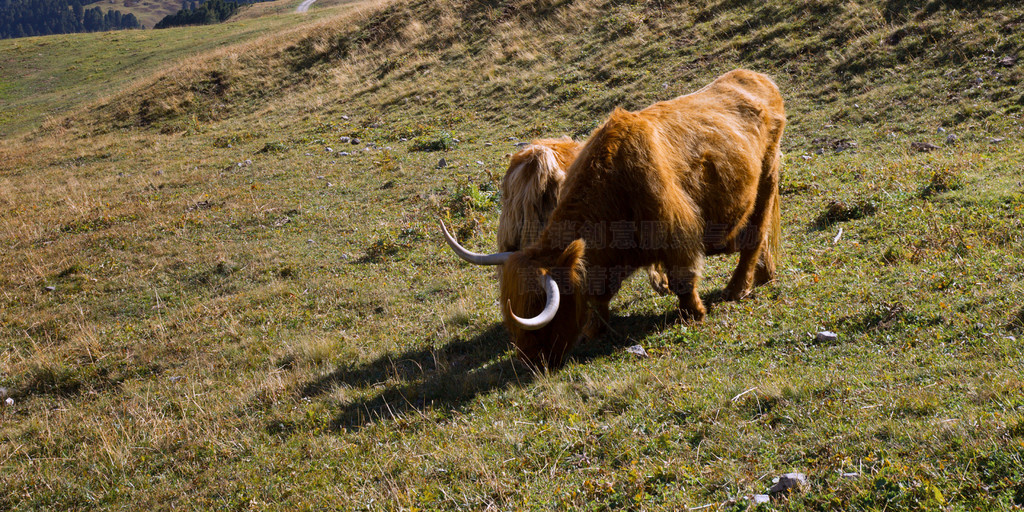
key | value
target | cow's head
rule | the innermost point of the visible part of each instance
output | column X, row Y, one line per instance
column 541, row 298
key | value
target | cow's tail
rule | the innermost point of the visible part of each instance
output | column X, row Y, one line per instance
column 774, row 243
column 771, row 252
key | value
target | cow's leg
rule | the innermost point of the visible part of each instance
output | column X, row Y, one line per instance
column 739, row 285
column 604, row 285
column 753, row 238
column 764, row 271
column 597, row 320
column 683, row 279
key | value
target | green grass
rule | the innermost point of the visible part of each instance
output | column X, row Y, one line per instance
column 240, row 318
column 49, row 77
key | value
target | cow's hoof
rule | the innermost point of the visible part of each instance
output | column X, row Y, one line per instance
column 659, row 282
column 693, row 315
column 737, row 294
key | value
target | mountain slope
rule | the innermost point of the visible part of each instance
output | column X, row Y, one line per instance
column 211, row 298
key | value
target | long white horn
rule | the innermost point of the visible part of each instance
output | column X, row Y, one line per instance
column 473, row 257
column 550, row 308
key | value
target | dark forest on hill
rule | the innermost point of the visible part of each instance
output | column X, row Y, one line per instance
column 25, row 18
column 202, row 13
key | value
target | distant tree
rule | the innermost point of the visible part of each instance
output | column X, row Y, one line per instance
column 43, row 17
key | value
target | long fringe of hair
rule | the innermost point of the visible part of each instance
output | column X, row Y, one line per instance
column 530, row 190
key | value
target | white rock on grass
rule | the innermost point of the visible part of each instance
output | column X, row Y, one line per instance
column 826, row 337
column 789, row 482
column 637, row 350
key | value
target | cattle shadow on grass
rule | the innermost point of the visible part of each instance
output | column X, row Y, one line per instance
column 446, row 379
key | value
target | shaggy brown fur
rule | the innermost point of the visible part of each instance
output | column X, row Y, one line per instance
column 693, row 176
column 530, row 191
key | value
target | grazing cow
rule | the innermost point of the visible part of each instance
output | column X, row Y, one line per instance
column 529, row 193
column 693, row 176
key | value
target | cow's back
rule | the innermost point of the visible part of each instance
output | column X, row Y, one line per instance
column 720, row 136
column 690, row 163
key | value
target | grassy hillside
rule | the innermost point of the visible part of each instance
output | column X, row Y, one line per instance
column 209, row 300
column 148, row 12
column 46, row 77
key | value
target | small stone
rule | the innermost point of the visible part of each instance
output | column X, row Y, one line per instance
column 321, row 177
column 1008, row 61
column 345, row 117
column 309, row 154
column 637, row 350
column 9, row 401
column 941, row 130
column 344, row 140
column 760, row 499
column 344, row 153
column 309, row 241
column 403, row 139
column 330, row 149
column 996, row 140
column 478, row 162
column 511, row 138
column 488, row 144
column 788, row 483
column 826, row 337
column 50, row 288
column 240, row 164
column 346, row 256
column 850, row 476
column 952, row 140
column 456, row 141
column 442, row 163
column 248, row 162
column 979, row 326
column 355, row 141
column 159, row 173
column 923, row 147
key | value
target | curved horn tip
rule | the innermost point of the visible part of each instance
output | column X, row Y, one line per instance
column 550, row 307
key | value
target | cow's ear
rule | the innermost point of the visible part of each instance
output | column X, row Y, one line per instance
column 572, row 256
